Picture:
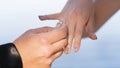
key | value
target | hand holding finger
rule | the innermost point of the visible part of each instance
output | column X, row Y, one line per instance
column 58, row 33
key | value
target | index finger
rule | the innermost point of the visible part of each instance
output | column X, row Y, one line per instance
column 43, row 29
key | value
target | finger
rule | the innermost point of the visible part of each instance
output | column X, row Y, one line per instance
column 49, row 17
column 71, row 30
column 56, row 34
column 78, row 36
column 90, row 27
column 58, row 46
column 56, row 55
column 43, row 29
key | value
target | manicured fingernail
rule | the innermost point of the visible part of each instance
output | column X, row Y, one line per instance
column 93, row 36
column 41, row 17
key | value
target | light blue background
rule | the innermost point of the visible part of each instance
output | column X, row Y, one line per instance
column 17, row 16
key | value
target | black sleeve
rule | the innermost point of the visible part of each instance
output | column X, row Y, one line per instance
column 9, row 56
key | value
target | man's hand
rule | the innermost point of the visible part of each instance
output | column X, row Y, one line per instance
column 40, row 47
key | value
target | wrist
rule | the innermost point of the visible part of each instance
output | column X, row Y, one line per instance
column 9, row 56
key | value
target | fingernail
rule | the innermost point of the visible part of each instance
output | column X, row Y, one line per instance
column 76, row 49
column 41, row 17
column 67, row 50
column 94, row 37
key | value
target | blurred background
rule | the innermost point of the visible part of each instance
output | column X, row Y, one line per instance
column 17, row 16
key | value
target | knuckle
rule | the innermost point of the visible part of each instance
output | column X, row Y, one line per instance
column 79, row 30
column 43, row 39
column 78, row 33
column 83, row 16
column 30, row 30
column 73, row 14
column 63, row 32
column 71, row 34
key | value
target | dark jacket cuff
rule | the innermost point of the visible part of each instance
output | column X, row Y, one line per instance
column 9, row 56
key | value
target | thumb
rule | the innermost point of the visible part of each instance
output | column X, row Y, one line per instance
column 59, row 33
column 50, row 17
column 90, row 28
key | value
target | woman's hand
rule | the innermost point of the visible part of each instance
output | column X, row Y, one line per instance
column 38, row 48
column 77, row 15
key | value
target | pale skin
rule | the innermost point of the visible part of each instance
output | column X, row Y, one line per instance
column 38, row 48
column 84, row 14
column 77, row 15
